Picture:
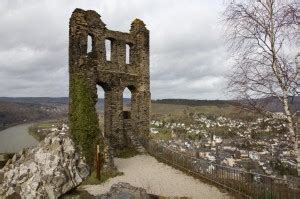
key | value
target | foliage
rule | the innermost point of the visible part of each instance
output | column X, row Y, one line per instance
column 263, row 36
column 127, row 153
column 13, row 113
column 83, row 118
column 189, row 102
column 33, row 131
column 193, row 136
column 183, row 113
column 164, row 134
column 223, row 131
column 41, row 129
column 284, row 170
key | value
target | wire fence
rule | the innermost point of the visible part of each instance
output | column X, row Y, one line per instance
column 245, row 184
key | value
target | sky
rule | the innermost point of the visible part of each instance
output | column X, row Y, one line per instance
column 188, row 57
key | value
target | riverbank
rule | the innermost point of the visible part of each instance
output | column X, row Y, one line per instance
column 16, row 138
column 40, row 130
column 2, row 128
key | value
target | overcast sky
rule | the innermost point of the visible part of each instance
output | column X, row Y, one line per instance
column 187, row 58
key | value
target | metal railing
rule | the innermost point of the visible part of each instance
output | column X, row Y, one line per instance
column 245, row 184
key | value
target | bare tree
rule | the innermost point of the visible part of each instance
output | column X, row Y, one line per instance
column 263, row 35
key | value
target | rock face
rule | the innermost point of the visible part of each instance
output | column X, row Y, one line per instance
column 121, row 190
column 46, row 171
column 125, row 191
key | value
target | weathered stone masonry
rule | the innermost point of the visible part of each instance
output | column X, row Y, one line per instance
column 89, row 69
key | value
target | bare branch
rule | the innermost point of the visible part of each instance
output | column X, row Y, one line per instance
column 262, row 36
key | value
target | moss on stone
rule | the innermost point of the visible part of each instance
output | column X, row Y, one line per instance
column 83, row 118
column 127, row 153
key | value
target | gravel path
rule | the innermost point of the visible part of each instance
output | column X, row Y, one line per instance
column 157, row 178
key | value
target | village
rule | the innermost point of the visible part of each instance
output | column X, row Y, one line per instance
column 258, row 146
column 109, row 100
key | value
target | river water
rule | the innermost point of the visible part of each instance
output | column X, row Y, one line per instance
column 16, row 138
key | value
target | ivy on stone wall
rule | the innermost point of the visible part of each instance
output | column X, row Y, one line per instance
column 83, row 118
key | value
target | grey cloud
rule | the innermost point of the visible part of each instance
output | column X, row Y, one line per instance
column 187, row 52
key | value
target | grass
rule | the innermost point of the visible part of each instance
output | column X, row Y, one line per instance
column 92, row 179
column 127, row 153
column 45, row 128
column 164, row 134
column 36, row 135
column 46, row 125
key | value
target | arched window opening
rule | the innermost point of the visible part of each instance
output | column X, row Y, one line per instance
column 127, row 54
column 100, row 107
column 127, row 104
column 108, row 49
column 89, row 44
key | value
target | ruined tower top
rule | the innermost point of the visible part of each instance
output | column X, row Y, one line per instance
column 111, row 50
column 137, row 25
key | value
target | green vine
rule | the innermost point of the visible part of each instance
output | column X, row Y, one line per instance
column 83, row 118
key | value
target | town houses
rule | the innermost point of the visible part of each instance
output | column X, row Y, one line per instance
column 260, row 145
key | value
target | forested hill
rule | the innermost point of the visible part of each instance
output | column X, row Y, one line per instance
column 270, row 104
column 189, row 102
column 17, row 110
column 12, row 113
column 37, row 100
column 26, row 109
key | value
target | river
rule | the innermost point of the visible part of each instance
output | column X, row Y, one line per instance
column 15, row 138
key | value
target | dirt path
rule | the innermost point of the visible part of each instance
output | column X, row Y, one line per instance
column 157, row 178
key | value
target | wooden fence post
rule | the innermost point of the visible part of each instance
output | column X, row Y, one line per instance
column 98, row 163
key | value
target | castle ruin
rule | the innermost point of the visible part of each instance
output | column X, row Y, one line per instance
column 124, row 64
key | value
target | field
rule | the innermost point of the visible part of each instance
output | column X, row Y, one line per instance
column 159, row 110
column 40, row 130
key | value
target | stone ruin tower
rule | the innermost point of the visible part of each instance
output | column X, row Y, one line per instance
column 109, row 69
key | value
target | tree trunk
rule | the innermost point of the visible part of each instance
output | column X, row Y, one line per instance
column 298, row 151
column 290, row 123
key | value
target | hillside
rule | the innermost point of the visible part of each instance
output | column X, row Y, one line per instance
column 52, row 101
column 37, row 100
column 26, row 109
column 12, row 113
column 269, row 104
column 190, row 102
column 17, row 110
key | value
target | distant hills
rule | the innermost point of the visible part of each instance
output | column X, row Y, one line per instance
column 16, row 110
column 189, row 102
column 37, row 100
column 270, row 104
column 12, row 113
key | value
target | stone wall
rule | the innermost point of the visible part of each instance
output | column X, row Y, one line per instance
column 89, row 69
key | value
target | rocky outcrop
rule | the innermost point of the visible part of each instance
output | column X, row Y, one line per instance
column 120, row 190
column 126, row 191
column 46, row 171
